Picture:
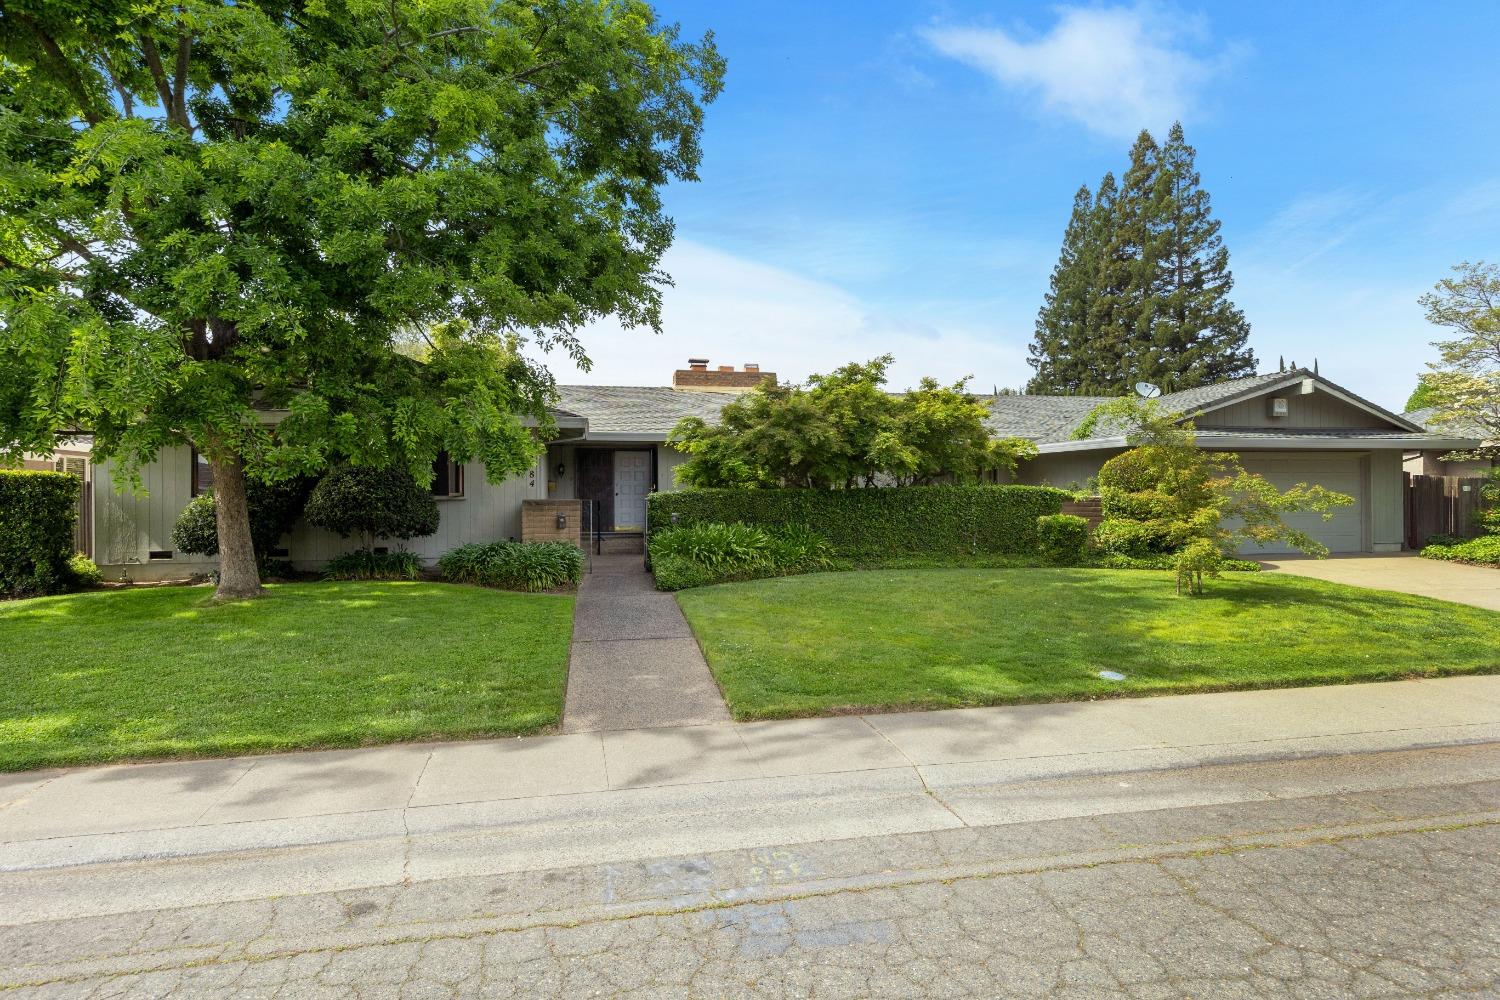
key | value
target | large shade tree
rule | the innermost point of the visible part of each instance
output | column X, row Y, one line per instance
column 224, row 223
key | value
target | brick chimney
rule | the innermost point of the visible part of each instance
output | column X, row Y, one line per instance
column 697, row 377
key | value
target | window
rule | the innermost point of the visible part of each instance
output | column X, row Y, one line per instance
column 73, row 465
column 203, row 474
column 447, row 476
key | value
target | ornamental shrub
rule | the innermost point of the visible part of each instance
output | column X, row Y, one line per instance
column 938, row 521
column 364, row 565
column 371, row 503
column 274, row 510
column 1482, row 551
column 83, row 572
column 1062, row 538
column 38, row 512
column 531, row 566
column 711, row 552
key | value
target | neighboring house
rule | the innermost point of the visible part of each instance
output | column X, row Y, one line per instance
column 611, row 448
column 1435, row 461
column 1291, row 427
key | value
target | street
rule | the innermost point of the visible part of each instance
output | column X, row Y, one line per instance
column 1363, row 875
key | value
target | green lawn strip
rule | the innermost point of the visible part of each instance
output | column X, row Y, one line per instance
column 163, row 672
column 889, row 639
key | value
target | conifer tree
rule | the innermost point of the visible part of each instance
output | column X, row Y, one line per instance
column 1062, row 322
column 1199, row 336
column 1149, row 276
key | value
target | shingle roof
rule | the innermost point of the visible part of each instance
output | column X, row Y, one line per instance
column 1424, row 417
column 652, row 411
column 646, row 410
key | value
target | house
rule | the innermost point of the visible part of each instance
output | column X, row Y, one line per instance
column 1289, row 426
column 611, row 450
column 1435, row 461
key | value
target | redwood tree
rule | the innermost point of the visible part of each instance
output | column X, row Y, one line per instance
column 226, row 221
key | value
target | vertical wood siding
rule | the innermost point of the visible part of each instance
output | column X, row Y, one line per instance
column 1318, row 411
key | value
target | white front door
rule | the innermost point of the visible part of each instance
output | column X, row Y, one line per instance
column 632, row 481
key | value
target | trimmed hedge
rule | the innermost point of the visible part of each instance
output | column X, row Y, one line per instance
column 38, row 511
column 877, row 523
column 1063, row 538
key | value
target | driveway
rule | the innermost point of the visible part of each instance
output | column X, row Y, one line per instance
column 1406, row 573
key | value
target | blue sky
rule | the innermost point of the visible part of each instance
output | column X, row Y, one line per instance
column 894, row 177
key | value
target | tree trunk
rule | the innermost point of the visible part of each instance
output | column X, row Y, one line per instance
column 239, row 577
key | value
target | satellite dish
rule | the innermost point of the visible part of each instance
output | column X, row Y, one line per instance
column 1146, row 390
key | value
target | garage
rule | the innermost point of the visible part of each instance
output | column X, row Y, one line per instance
column 1343, row 473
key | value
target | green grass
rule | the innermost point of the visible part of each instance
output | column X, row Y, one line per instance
column 889, row 639
column 162, row 672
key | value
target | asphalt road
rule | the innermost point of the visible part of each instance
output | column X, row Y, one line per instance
column 1321, row 892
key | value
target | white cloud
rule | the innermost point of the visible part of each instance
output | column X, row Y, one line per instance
column 732, row 311
column 1115, row 69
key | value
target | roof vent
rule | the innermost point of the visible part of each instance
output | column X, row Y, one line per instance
column 1278, row 406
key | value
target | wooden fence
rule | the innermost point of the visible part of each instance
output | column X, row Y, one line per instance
column 1440, row 505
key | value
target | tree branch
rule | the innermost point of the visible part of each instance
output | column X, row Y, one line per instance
column 184, row 50
column 73, row 81
column 158, row 75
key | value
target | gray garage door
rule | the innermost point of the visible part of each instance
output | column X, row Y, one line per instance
column 1342, row 473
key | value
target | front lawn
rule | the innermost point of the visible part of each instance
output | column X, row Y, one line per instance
column 162, row 672
column 889, row 639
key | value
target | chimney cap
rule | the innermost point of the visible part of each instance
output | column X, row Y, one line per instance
column 751, row 366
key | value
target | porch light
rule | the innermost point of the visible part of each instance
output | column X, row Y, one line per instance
column 562, row 520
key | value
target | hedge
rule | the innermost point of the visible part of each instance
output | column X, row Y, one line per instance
column 37, row 517
column 880, row 522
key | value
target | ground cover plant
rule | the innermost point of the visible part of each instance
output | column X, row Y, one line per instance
column 712, row 552
column 164, row 672
column 533, row 566
column 936, row 638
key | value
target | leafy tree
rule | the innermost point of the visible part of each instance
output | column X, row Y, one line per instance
column 372, row 503
column 216, row 210
column 1167, row 496
column 844, row 430
column 1421, row 397
column 1140, row 291
column 1463, row 385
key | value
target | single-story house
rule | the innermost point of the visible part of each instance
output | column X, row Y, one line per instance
column 610, row 448
column 1289, row 426
column 1436, row 462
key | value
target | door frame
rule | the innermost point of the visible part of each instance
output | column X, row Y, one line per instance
column 607, row 509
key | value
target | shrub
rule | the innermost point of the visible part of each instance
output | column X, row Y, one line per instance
column 532, row 566
column 83, row 572
column 38, row 512
column 1139, row 505
column 698, row 554
column 1166, row 560
column 877, row 523
column 372, row 503
column 1138, row 539
column 274, row 509
column 365, row 565
column 1062, row 538
column 1483, row 551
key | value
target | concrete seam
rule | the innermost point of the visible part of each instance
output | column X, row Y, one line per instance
column 917, row 771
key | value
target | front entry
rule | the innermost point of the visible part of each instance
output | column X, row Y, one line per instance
column 632, row 483
column 619, row 482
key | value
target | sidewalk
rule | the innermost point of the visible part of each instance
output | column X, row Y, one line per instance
column 736, row 784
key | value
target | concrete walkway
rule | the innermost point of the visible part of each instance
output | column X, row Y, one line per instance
column 1406, row 573
column 655, row 791
column 635, row 663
